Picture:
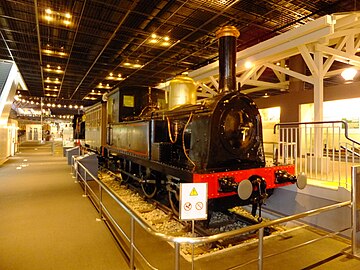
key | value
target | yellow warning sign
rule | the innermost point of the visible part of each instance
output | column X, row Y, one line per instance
column 193, row 201
column 193, row 192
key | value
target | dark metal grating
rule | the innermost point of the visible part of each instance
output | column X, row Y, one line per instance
column 103, row 35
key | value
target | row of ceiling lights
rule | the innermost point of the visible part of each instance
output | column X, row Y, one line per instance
column 56, row 17
column 163, row 41
column 95, row 94
column 50, row 105
column 155, row 40
column 57, row 70
column 38, row 114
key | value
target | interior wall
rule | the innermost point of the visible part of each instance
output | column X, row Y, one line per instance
column 290, row 103
column 6, row 100
column 3, row 143
column 8, row 140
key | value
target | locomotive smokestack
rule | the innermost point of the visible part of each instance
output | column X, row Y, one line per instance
column 227, row 36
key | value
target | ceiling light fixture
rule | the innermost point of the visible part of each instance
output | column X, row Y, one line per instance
column 57, row 17
column 112, row 78
column 163, row 41
column 51, row 70
column 349, row 74
column 95, row 93
column 48, row 80
column 134, row 65
column 165, row 44
column 53, row 52
column 48, row 18
column 100, row 85
column 248, row 64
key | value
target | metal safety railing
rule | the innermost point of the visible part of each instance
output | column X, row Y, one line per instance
column 105, row 214
column 322, row 150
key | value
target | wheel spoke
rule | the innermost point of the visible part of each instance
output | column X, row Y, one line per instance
column 149, row 183
column 126, row 167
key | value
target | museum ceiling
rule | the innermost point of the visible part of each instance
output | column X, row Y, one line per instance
column 76, row 50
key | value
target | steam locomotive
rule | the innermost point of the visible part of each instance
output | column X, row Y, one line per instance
column 217, row 140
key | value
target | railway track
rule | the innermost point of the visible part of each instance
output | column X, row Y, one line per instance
column 161, row 218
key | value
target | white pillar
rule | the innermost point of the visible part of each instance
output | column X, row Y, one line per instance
column 318, row 101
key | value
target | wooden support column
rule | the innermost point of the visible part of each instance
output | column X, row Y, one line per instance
column 318, row 101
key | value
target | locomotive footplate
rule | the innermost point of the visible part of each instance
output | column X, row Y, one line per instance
column 223, row 184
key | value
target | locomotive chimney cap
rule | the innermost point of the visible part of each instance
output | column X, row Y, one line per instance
column 227, row 31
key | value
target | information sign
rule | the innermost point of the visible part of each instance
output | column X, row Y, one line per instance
column 193, row 201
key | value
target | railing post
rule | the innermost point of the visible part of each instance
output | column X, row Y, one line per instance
column 260, row 249
column 85, row 184
column 72, row 166
column 177, row 255
column 132, row 236
column 355, row 199
column 100, row 202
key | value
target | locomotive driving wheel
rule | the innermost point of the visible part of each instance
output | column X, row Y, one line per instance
column 148, row 183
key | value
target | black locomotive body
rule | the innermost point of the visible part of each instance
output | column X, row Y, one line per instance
column 220, row 132
column 217, row 140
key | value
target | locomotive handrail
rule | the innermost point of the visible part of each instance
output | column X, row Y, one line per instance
column 203, row 239
column 346, row 133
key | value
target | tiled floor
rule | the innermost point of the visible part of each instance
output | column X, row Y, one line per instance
column 45, row 222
